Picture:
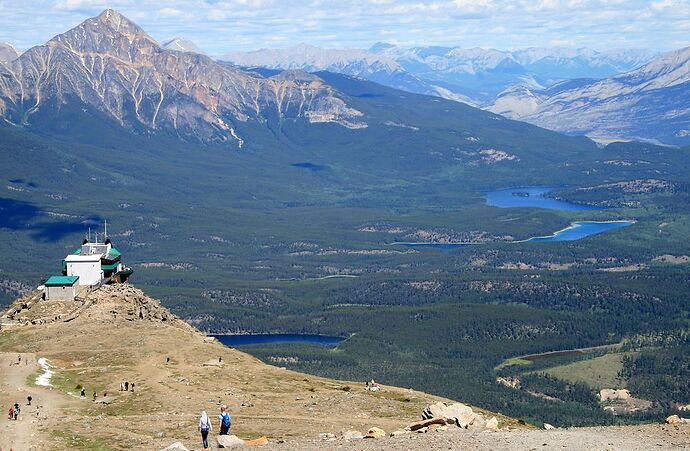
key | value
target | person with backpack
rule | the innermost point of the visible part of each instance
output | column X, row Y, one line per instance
column 205, row 427
column 224, row 419
column 29, row 398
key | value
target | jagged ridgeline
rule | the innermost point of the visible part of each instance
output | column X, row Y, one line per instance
column 112, row 66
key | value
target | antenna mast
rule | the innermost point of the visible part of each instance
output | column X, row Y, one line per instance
column 105, row 232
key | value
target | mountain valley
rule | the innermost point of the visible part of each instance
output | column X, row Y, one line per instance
column 255, row 200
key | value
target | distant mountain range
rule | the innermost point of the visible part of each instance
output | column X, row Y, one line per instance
column 475, row 75
column 649, row 103
column 628, row 94
column 379, row 68
column 114, row 68
column 109, row 66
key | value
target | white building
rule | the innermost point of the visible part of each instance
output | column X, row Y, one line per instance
column 86, row 267
column 61, row 288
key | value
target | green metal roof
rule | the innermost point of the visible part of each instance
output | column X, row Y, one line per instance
column 61, row 281
column 114, row 253
column 109, row 267
column 77, row 252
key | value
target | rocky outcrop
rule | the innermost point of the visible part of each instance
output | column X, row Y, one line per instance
column 457, row 413
column 110, row 65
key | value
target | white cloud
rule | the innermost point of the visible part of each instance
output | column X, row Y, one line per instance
column 219, row 26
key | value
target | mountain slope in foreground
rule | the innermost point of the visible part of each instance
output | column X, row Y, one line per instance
column 120, row 334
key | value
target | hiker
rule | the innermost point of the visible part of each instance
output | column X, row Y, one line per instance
column 29, row 398
column 126, row 386
column 220, row 359
column 19, row 359
column 205, row 427
column 167, row 360
column 224, row 420
column 17, row 410
column 11, row 413
column 83, row 392
column 94, row 396
column 122, row 386
column 132, row 387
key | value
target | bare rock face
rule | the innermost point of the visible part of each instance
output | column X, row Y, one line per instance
column 111, row 65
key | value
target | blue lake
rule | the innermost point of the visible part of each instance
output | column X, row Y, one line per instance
column 533, row 197
column 576, row 231
column 581, row 229
column 256, row 339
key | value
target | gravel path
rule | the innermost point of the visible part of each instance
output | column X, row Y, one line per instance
column 625, row 438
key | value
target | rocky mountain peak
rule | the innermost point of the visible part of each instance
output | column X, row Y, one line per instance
column 108, row 63
column 108, row 33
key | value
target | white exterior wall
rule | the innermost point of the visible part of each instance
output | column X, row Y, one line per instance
column 61, row 293
column 88, row 270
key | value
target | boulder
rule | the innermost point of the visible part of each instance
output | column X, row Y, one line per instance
column 375, row 433
column 261, row 441
column 456, row 409
column 548, row 426
column 479, row 423
column 229, row 441
column 426, row 423
column 492, row 424
column 399, row 432
column 177, row 446
column 434, row 411
column 465, row 419
column 673, row 419
column 352, row 435
column 442, row 410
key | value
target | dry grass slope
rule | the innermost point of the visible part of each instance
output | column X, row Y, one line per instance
column 121, row 334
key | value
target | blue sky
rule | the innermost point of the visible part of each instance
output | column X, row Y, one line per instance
column 220, row 26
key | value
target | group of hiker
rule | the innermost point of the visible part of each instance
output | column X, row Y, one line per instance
column 206, row 426
column 15, row 410
column 126, row 386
